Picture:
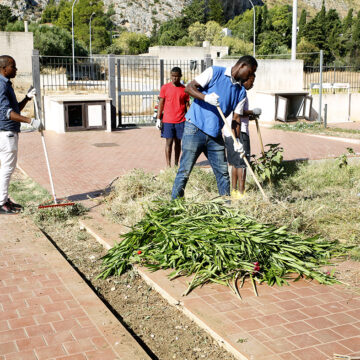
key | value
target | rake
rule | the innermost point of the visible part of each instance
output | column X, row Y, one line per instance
column 243, row 155
column 56, row 203
column 345, row 357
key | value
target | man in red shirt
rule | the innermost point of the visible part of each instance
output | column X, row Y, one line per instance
column 173, row 105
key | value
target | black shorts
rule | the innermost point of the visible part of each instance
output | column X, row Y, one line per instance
column 234, row 158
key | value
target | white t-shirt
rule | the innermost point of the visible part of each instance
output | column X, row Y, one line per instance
column 243, row 106
column 205, row 77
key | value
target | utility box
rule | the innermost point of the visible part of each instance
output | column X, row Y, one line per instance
column 284, row 105
column 77, row 113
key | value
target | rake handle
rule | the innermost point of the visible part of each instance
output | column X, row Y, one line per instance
column 45, row 152
column 259, row 134
column 244, row 157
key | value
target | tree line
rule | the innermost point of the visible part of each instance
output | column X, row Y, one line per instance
column 199, row 21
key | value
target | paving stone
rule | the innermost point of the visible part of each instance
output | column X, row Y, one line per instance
column 38, row 323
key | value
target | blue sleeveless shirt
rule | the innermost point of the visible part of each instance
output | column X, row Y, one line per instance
column 206, row 116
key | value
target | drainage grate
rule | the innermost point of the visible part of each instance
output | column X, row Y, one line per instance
column 105, row 144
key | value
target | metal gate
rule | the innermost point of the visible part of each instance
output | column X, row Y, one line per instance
column 139, row 80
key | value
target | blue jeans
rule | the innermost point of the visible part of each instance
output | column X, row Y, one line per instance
column 195, row 142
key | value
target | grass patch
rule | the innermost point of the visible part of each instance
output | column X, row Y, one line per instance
column 135, row 191
column 30, row 195
column 318, row 128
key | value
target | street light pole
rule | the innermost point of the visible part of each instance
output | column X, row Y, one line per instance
column 254, row 23
column 90, row 33
column 294, row 31
column 72, row 32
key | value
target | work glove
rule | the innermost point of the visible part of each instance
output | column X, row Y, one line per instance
column 257, row 111
column 31, row 93
column 212, row 99
column 36, row 124
column 158, row 124
column 238, row 147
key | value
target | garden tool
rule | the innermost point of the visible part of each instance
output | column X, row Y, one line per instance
column 345, row 357
column 259, row 134
column 242, row 155
column 37, row 114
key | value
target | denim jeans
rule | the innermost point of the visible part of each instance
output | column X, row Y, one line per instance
column 195, row 142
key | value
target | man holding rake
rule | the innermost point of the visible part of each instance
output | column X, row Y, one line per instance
column 216, row 86
column 10, row 121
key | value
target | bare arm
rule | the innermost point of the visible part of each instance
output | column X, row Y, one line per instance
column 160, row 108
column 236, row 124
column 23, row 102
column 19, row 118
column 192, row 90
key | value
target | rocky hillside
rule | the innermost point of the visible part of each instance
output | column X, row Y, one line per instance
column 140, row 15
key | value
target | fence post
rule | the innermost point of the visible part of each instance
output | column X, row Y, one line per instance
column 112, row 92
column 320, row 84
column 208, row 61
column 36, row 77
column 161, row 72
column 118, row 93
column 325, row 115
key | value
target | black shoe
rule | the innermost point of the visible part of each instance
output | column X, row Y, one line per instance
column 8, row 209
column 14, row 205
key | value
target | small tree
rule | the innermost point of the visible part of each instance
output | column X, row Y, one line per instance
column 216, row 12
column 5, row 17
column 129, row 43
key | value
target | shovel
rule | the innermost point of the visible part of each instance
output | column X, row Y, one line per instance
column 243, row 156
column 37, row 114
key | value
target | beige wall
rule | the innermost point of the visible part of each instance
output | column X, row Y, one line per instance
column 19, row 45
column 274, row 74
column 337, row 107
column 187, row 52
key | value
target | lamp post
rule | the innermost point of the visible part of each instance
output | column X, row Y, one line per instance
column 252, row 4
column 90, row 33
column 72, row 32
column 294, row 31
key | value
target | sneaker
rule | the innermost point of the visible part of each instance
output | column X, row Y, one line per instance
column 8, row 209
column 236, row 194
column 14, row 205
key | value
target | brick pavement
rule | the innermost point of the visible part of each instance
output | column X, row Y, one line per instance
column 303, row 321
column 46, row 309
column 80, row 167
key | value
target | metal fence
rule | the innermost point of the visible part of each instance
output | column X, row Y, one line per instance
column 138, row 85
column 61, row 73
column 332, row 74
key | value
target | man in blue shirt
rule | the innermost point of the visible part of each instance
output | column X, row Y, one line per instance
column 216, row 86
column 10, row 121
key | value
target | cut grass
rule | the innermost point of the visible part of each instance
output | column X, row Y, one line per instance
column 317, row 198
column 30, row 195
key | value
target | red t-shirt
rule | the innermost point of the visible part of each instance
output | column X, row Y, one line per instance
column 174, row 104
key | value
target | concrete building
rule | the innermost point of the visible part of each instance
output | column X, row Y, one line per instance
column 20, row 46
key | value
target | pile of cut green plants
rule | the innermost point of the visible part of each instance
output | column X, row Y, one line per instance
column 215, row 243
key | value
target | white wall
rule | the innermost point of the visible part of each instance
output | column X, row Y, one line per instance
column 20, row 46
column 337, row 107
column 186, row 52
column 274, row 74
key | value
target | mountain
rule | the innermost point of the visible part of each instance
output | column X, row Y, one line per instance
column 141, row 15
